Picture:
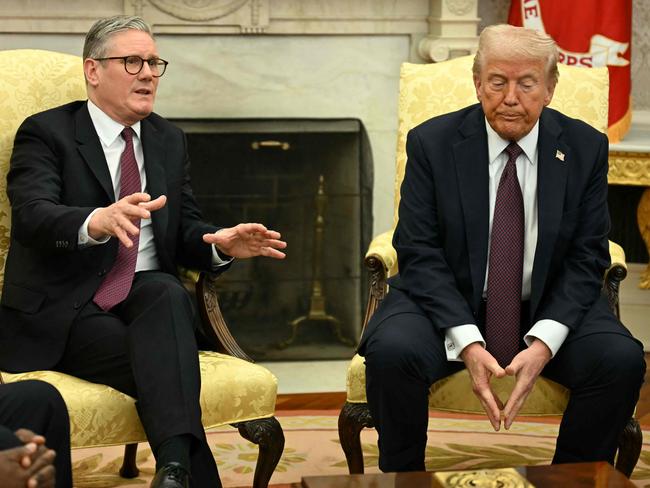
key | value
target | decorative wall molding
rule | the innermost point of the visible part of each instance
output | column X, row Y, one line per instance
column 452, row 30
column 203, row 16
column 629, row 168
column 224, row 17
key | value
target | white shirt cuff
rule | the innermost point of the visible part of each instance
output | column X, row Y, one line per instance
column 217, row 262
column 83, row 239
column 459, row 337
column 550, row 332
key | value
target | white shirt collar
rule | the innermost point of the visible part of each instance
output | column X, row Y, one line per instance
column 528, row 143
column 107, row 129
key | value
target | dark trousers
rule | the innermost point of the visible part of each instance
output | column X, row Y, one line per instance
column 37, row 406
column 146, row 347
column 405, row 355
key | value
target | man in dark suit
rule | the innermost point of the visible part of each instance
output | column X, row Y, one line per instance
column 34, row 436
column 502, row 248
column 102, row 215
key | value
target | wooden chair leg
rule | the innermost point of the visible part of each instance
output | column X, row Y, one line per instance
column 267, row 433
column 129, row 469
column 629, row 447
column 353, row 418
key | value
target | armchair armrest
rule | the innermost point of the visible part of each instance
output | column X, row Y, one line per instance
column 381, row 249
column 614, row 275
column 214, row 325
column 381, row 261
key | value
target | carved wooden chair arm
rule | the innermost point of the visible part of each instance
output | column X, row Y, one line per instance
column 614, row 275
column 380, row 259
column 214, row 325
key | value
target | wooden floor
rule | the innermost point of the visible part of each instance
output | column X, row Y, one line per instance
column 334, row 401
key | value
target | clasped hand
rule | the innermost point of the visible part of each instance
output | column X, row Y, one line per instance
column 525, row 367
column 28, row 466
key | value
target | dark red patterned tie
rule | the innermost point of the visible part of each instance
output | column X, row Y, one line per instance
column 503, row 312
column 117, row 284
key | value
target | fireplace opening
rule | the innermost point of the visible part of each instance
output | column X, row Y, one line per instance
column 311, row 180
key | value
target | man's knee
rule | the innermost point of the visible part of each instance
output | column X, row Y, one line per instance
column 625, row 362
column 35, row 392
column 402, row 345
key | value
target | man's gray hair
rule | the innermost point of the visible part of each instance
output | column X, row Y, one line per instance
column 96, row 44
column 504, row 42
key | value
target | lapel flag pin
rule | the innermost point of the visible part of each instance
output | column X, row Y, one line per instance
column 559, row 154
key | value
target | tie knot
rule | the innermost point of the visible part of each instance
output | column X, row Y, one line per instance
column 513, row 150
column 127, row 134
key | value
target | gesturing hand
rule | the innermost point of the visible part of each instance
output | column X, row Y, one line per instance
column 526, row 367
column 118, row 219
column 247, row 240
column 481, row 366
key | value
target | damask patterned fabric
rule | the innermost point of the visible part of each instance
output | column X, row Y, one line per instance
column 32, row 81
column 233, row 390
column 428, row 90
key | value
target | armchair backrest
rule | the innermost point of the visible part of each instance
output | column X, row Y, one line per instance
column 428, row 90
column 32, row 81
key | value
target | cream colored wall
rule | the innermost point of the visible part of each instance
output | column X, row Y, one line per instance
column 314, row 59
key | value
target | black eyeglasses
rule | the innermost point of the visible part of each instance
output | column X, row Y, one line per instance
column 133, row 64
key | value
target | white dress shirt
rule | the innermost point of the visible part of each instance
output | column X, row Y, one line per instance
column 551, row 332
column 109, row 132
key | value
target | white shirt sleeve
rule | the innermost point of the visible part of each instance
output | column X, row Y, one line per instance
column 550, row 332
column 459, row 337
column 217, row 262
column 83, row 239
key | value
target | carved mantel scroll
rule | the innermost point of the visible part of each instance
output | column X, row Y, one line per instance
column 203, row 16
column 452, row 30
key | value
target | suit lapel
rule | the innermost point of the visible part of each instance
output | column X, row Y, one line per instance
column 91, row 150
column 154, row 159
column 552, row 174
column 470, row 155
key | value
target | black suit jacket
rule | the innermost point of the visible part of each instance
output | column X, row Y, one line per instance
column 442, row 234
column 58, row 175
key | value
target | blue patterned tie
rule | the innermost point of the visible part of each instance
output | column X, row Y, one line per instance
column 503, row 312
column 117, row 284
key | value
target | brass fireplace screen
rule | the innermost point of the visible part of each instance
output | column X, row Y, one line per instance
column 312, row 181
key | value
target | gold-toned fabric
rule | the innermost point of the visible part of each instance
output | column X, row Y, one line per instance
column 232, row 390
column 428, row 90
column 32, row 81
column 454, row 393
column 382, row 248
column 617, row 254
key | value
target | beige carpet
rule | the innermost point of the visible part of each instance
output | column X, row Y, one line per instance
column 312, row 448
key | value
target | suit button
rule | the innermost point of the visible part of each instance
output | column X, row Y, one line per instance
column 101, row 273
column 77, row 305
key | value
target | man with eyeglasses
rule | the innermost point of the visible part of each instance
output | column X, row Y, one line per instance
column 102, row 215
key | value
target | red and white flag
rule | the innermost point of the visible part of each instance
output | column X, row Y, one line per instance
column 588, row 33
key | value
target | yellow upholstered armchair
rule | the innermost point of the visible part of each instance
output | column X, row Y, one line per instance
column 435, row 89
column 234, row 390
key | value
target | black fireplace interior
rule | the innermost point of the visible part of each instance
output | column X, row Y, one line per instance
column 311, row 180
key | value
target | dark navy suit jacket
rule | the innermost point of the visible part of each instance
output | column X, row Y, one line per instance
column 441, row 238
